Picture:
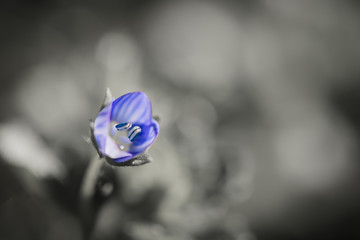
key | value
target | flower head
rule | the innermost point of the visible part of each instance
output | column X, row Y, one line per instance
column 124, row 129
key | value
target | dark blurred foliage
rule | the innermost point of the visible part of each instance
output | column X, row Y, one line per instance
column 258, row 102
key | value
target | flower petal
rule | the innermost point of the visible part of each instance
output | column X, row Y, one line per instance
column 123, row 158
column 106, row 144
column 132, row 107
column 145, row 138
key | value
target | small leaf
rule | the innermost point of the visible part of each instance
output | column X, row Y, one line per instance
column 108, row 98
column 136, row 161
column 157, row 118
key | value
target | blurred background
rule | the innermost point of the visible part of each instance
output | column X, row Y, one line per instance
column 259, row 107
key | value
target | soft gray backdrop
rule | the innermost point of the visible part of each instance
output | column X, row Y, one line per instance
column 259, row 107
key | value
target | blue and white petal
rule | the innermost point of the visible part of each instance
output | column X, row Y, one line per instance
column 145, row 138
column 132, row 107
column 105, row 143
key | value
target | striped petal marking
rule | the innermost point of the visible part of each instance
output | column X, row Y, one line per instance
column 134, row 132
column 123, row 126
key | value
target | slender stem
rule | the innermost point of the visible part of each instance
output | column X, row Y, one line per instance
column 87, row 192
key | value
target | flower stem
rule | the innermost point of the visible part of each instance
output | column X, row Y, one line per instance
column 87, row 192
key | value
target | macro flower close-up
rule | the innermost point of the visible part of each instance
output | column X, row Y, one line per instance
column 257, row 101
column 124, row 128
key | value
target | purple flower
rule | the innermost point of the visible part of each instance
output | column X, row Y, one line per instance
column 124, row 129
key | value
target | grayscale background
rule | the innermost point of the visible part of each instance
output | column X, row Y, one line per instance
column 259, row 106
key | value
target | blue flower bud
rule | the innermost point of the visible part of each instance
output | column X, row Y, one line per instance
column 129, row 113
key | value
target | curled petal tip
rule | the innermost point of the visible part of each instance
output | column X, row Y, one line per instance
column 92, row 124
column 108, row 98
column 156, row 118
column 108, row 95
